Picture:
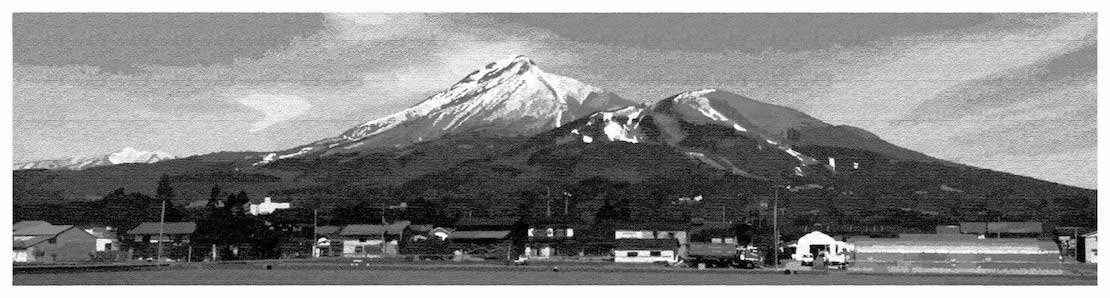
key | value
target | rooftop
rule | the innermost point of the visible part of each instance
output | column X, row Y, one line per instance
column 152, row 228
column 393, row 228
column 479, row 235
column 41, row 230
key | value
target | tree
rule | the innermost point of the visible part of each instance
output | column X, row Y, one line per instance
column 214, row 197
column 165, row 191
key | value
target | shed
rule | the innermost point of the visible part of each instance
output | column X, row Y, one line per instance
column 481, row 244
column 1088, row 248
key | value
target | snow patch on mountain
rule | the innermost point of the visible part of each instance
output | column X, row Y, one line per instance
column 132, row 155
column 124, row 156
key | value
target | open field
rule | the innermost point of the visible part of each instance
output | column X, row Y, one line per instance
column 505, row 275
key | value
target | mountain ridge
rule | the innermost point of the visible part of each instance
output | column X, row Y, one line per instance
column 123, row 156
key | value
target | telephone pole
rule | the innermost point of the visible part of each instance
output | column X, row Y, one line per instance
column 775, row 224
column 161, row 230
column 566, row 203
column 315, row 226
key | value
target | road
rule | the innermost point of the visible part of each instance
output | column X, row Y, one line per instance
column 258, row 275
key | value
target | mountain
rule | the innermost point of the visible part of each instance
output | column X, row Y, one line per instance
column 125, row 155
column 734, row 133
column 509, row 134
column 511, row 97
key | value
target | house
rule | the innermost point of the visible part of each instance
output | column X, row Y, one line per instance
column 419, row 232
column 325, row 237
column 176, row 240
column 656, row 230
column 43, row 242
column 1088, row 248
column 551, row 238
column 490, row 245
column 817, row 244
column 106, row 238
column 372, row 241
column 638, row 250
column 441, row 233
column 267, row 207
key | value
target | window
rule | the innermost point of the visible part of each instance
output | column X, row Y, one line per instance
column 358, row 249
column 570, row 232
column 656, row 253
column 633, row 254
column 550, row 232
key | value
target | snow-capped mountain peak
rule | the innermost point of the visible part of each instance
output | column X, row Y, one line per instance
column 510, row 97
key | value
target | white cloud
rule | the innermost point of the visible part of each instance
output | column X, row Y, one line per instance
column 277, row 108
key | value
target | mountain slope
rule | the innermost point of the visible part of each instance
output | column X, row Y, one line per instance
column 125, row 155
column 511, row 97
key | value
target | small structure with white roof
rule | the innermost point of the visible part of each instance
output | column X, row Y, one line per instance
column 817, row 244
column 267, row 207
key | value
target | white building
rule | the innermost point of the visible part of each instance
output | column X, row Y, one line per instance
column 267, row 207
column 106, row 239
column 1088, row 244
column 646, row 251
column 816, row 243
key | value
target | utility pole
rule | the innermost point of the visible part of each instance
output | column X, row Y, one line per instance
column 723, row 215
column 315, row 252
column 383, row 226
column 161, row 230
column 566, row 203
column 775, row 224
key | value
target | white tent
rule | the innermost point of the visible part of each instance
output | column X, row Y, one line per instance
column 816, row 242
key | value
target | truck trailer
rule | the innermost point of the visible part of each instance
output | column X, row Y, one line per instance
column 722, row 255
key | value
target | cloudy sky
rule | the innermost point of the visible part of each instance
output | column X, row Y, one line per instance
column 1010, row 92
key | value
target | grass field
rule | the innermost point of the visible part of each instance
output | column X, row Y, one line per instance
column 507, row 276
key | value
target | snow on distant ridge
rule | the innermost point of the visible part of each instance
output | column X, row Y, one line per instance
column 124, row 156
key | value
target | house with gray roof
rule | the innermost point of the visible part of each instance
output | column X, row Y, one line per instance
column 40, row 241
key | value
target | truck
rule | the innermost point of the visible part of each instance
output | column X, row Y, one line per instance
column 722, row 255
